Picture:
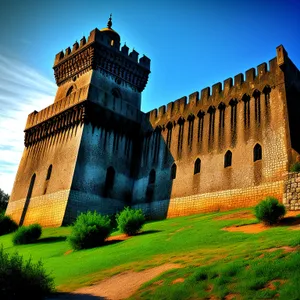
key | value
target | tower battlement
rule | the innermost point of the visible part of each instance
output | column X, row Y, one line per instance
column 232, row 88
column 102, row 51
column 97, row 36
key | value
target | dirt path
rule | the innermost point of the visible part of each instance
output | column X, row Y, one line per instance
column 120, row 286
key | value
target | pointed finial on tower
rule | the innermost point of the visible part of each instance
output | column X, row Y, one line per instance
column 109, row 23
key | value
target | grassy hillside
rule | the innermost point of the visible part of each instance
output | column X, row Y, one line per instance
column 215, row 262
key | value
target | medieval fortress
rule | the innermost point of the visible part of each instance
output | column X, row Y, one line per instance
column 94, row 149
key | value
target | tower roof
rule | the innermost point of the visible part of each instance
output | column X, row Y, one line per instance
column 109, row 31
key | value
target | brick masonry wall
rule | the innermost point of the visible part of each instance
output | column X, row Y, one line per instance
column 215, row 201
column 291, row 196
column 47, row 210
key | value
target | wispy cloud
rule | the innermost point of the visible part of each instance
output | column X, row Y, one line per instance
column 22, row 90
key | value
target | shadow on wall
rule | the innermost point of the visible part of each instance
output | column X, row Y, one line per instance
column 156, row 171
column 122, row 163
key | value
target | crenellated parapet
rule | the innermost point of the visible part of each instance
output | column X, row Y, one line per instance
column 56, row 108
column 102, row 51
column 60, row 122
column 260, row 79
column 82, row 112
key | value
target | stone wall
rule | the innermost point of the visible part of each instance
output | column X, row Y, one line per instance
column 47, row 210
column 213, row 202
column 291, row 196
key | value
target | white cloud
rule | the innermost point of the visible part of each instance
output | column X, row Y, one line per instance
column 22, row 90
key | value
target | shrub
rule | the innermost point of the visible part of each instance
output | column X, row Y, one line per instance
column 7, row 225
column 27, row 234
column 295, row 167
column 269, row 211
column 130, row 221
column 23, row 279
column 89, row 230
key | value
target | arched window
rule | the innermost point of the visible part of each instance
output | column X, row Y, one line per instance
column 228, row 159
column 116, row 93
column 173, row 171
column 197, row 166
column 49, row 172
column 70, row 90
column 152, row 176
column 257, row 152
column 110, row 178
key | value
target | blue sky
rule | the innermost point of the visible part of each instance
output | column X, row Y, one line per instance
column 192, row 44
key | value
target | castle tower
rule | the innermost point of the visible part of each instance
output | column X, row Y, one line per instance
column 82, row 151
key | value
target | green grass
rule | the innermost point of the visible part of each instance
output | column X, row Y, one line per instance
column 214, row 262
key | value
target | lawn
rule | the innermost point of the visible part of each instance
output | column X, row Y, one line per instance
column 216, row 264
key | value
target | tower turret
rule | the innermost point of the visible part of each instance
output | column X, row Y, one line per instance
column 82, row 151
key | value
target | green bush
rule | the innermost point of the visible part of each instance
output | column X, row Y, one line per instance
column 7, row 225
column 130, row 221
column 27, row 234
column 269, row 211
column 295, row 167
column 89, row 230
column 23, row 279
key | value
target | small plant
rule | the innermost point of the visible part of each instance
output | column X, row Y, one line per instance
column 89, row 230
column 295, row 167
column 130, row 221
column 23, row 279
column 7, row 225
column 27, row 234
column 269, row 211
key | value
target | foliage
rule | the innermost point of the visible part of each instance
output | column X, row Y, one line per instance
column 89, row 230
column 3, row 200
column 130, row 221
column 113, row 222
column 269, row 211
column 295, row 167
column 7, row 225
column 27, row 234
column 21, row 279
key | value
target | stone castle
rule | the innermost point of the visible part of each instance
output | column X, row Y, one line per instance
column 94, row 149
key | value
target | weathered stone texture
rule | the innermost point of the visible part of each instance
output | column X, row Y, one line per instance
column 291, row 196
column 47, row 210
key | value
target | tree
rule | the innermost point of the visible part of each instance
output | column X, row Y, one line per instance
column 3, row 200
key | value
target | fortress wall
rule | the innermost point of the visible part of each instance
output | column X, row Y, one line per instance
column 243, row 172
column 212, row 202
column 59, row 150
column 262, row 90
